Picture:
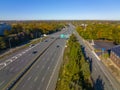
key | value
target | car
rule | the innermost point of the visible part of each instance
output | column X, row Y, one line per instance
column 34, row 52
column 46, row 40
column 31, row 45
column 57, row 46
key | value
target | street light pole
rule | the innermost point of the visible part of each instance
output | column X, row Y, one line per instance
column 9, row 43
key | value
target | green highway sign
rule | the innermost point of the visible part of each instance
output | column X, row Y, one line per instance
column 64, row 36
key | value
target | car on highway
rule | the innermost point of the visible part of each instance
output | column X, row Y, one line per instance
column 34, row 52
column 46, row 40
column 57, row 46
column 31, row 45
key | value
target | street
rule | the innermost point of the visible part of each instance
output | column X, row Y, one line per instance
column 102, row 78
column 16, row 66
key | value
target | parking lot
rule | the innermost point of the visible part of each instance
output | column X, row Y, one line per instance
column 102, row 45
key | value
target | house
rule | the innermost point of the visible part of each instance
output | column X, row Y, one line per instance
column 115, row 55
column 3, row 27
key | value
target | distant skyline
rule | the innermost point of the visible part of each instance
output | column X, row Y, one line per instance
column 60, row 10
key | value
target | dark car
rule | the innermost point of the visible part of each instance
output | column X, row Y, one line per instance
column 46, row 40
column 57, row 46
column 34, row 52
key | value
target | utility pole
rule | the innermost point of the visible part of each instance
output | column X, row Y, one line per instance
column 10, row 43
column 36, row 34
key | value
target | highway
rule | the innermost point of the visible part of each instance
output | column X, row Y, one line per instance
column 17, row 62
column 102, row 78
column 39, row 76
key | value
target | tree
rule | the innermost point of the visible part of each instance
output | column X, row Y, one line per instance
column 6, row 32
column 2, row 43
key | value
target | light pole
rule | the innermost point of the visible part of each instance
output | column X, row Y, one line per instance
column 9, row 43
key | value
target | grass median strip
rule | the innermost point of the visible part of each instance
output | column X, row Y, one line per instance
column 74, row 73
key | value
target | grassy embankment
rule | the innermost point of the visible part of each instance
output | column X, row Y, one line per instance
column 74, row 73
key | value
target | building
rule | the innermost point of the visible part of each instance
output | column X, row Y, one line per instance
column 115, row 55
column 3, row 27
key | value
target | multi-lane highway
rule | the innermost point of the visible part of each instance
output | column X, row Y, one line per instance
column 39, row 76
column 42, row 75
column 102, row 78
column 12, row 67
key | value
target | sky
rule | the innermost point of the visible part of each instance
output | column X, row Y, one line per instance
column 59, row 9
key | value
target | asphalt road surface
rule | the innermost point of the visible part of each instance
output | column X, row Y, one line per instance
column 18, row 61
column 102, row 78
column 39, row 76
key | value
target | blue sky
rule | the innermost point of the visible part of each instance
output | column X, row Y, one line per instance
column 60, row 9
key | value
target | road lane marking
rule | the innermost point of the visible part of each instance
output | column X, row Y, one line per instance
column 43, row 79
column 7, row 62
column 19, row 55
column 95, row 69
column 105, row 74
column 11, row 69
column 48, row 68
column 23, row 85
column 23, row 52
column 26, row 50
column 96, row 55
column 54, row 70
column 29, row 78
column 36, row 78
column 2, row 83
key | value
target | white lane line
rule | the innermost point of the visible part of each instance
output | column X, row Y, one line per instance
column 96, row 55
column 36, row 78
column 18, row 55
column 2, row 83
column 14, row 57
column 48, row 68
column 11, row 69
column 2, row 65
column 43, row 79
column 23, row 85
column 23, row 52
column 29, row 78
column 95, row 69
column 105, row 74
column 53, row 73
column 26, row 50
column 5, row 64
